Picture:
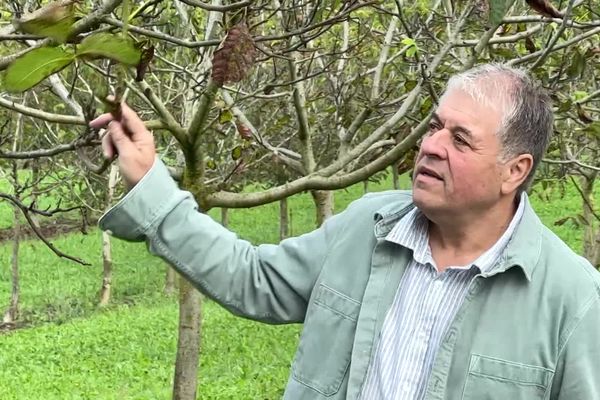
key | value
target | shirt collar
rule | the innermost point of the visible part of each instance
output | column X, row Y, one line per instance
column 411, row 231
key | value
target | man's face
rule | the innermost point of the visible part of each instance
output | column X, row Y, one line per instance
column 457, row 168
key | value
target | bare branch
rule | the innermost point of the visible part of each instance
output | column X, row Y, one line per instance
column 561, row 46
column 555, row 38
column 25, row 210
column 163, row 36
column 212, row 7
column 575, row 162
column 316, row 181
column 59, row 118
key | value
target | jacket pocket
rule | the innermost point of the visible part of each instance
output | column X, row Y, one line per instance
column 495, row 379
column 326, row 342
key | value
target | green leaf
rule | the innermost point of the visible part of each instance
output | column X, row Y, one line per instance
column 35, row 66
column 577, row 66
column 225, row 116
column 54, row 20
column 236, row 153
column 408, row 42
column 593, row 129
column 108, row 45
column 565, row 106
column 410, row 85
column 498, row 9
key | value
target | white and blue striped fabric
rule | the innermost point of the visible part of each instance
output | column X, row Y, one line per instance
column 424, row 305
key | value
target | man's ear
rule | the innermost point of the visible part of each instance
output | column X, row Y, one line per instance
column 515, row 172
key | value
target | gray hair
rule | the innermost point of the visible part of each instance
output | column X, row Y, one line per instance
column 526, row 125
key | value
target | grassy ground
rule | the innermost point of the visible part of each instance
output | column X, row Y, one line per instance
column 73, row 350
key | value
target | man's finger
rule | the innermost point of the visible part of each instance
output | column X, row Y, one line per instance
column 121, row 142
column 107, row 146
column 101, row 121
column 132, row 122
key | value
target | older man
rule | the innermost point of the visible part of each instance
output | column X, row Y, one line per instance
column 452, row 291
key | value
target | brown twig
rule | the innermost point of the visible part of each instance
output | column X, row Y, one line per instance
column 25, row 210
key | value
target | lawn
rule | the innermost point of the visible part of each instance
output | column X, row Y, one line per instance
column 73, row 350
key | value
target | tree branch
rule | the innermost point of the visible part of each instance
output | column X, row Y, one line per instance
column 554, row 38
column 317, row 181
column 212, row 7
column 575, row 162
column 59, row 118
column 25, row 211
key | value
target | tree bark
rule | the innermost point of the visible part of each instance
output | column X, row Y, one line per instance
column 188, row 345
column 170, row 276
column 395, row 177
column 106, row 270
column 324, row 204
column 12, row 313
column 591, row 235
column 113, row 177
column 225, row 217
column 284, row 221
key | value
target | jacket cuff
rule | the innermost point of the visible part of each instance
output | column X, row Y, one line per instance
column 149, row 200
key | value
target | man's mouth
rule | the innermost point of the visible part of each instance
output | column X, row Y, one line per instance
column 428, row 172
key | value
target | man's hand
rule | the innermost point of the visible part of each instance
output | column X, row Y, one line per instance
column 130, row 140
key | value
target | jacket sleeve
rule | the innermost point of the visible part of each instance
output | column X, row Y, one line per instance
column 270, row 283
column 577, row 374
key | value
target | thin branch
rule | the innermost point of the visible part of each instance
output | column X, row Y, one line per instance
column 317, row 181
column 62, row 148
column 561, row 46
column 575, row 162
column 546, row 20
column 502, row 39
column 163, row 36
column 212, row 7
column 60, row 118
column 554, row 38
column 25, row 210
column 585, row 199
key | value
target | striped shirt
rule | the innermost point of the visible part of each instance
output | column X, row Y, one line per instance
column 424, row 305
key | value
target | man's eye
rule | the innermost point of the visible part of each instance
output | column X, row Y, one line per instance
column 459, row 140
column 434, row 127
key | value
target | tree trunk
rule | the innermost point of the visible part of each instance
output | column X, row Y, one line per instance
column 591, row 235
column 188, row 345
column 366, row 186
column 225, row 217
column 106, row 270
column 395, row 178
column 284, row 221
column 170, row 281
column 12, row 313
column 113, row 178
column 324, row 204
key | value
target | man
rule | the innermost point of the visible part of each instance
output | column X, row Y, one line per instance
column 452, row 291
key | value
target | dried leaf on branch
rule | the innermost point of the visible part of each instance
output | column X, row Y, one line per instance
column 235, row 57
column 545, row 8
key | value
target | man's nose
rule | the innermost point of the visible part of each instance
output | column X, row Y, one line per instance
column 434, row 144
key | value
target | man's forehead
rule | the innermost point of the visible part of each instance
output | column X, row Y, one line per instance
column 459, row 107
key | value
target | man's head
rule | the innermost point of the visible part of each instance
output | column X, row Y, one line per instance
column 486, row 138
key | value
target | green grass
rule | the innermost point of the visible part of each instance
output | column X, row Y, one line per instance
column 73, row 350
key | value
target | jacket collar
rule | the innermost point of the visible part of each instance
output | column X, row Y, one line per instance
column 522, row 251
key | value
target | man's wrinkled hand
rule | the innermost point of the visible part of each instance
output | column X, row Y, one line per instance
column 128, row 139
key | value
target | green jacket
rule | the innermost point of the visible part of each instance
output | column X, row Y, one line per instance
column 529, row 329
